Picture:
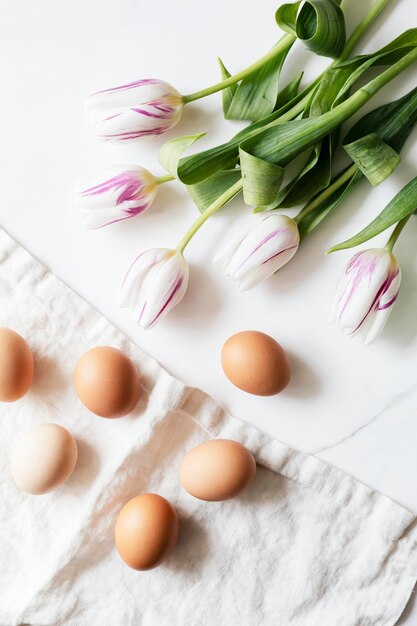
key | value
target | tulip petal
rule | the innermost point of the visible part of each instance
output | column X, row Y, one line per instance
column 136, row 274
column 260, row 250
column 163, row 288
column 266, row 243
column 364, row 278
column 138, row 109
column 154, row 285
column 384, row 308
column 117, row 194
column 367, row 293
column 268, row 268
column 223, row 256
column 130, row 94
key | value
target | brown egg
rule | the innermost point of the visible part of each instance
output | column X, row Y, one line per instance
column 107, row 382
column 217, row 470
column 43, row 458
column 16, row 366
column 256, row 363
column 146, row 531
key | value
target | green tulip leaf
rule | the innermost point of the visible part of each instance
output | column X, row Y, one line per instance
column 319, row 24
column 316, row 173
column 170, row 153
column 289, row 92
column 228, row 93
column 313, row 218
column 401, row 206
column 280, row 143
column 375, row 158
column 286, row 17
column 393, row 123
column 256, row 95
column 261, row 180
column 197, row 167
column 206, row 192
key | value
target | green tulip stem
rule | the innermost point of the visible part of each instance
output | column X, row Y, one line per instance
column 211, row 210
column 339, row 182
column 333, row 117
column 362, row 28
column 396, row 233
column 164, row 179
column 285, row 42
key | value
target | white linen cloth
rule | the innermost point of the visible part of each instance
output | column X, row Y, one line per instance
column 306, row 545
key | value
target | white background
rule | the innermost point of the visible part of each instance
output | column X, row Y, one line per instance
column 355, row 406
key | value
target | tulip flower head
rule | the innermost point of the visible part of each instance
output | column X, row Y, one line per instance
column 367, row 293
column 259, row 250
column 155, row 283
column 118, row 194
column 145, row 107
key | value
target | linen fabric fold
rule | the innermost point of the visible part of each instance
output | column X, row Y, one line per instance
column 306, row 544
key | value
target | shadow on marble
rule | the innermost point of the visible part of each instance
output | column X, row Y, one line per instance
column 304, row 381
column 170, row 198
column 201, row 302
column 401, row 327
column 197, row 119
column 311, row 256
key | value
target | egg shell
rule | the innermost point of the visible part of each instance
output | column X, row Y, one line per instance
column 217, row 470
column 43, row 458
column 107, row 382
column 16, row 366
column 146, row 531
column 256, row 363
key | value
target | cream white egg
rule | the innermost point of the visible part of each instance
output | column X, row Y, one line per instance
column 43, row 458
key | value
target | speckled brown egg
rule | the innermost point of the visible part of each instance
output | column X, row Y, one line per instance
column 43, row 458
column 256, row 363
column 16, row 366
column 146, row 531
column 107, row 382
column 217, row 470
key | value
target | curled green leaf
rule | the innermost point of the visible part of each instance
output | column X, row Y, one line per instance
column 393, row 123
column 196, row 167
column 320, row 24
column 281, row 143
column 315, row 175
column 375, row 158
column 261, row 179
column 286, row 17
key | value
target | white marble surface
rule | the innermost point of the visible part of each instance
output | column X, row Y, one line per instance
column 353, row 405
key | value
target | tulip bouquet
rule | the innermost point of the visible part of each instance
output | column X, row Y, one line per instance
column 283, row 124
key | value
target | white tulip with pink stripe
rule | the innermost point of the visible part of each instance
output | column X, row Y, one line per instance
column 367, row 293
column 144, row 107
column 120, row 193
column 155, row 283
column 259, row 250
